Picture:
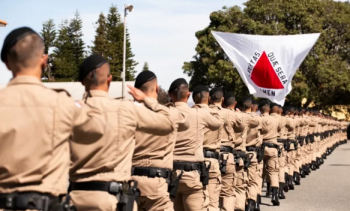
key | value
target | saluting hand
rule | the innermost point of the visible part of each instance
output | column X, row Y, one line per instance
column 136, row 93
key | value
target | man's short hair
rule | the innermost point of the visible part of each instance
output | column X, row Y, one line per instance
column 26, row 52
column 216, row 97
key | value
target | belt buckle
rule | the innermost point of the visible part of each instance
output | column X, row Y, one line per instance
column 114, row 188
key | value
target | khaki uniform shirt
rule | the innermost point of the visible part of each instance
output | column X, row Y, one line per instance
column 291, row 124
column 241, row 128
column 212, row 138
column 36, row 124
column 305, row 128
column 109, row 158
column 269, row 127
column 158, row 151
column 189, row 143
column 253, row 134
column 312, row 122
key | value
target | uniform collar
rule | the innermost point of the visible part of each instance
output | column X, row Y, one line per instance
column 181, row 104
column 99, row 93
column 202, row 105
column 25, row 80
column 217, row 106
column 266, row 114
column 274, row 114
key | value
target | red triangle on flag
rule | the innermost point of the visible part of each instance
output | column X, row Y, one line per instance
column 263, row 74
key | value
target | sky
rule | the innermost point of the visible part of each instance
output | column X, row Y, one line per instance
column 162, row 32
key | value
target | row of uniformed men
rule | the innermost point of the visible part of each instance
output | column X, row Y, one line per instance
column 168, row 157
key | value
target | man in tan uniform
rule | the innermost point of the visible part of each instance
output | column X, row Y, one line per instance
column 269, row 125
column 36, row 123
column 211, row 145
column 153, row 156
column 253, row 144
column 190, row 172
column 275, row 112
column 242, row 159
column 101, row 170
column 227, row 194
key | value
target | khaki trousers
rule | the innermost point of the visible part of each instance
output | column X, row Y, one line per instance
column 290, row 162
column 260, row 177
column 282, row 164
column 240, row 188
column 253, row 177
column 214, row 186
column 154, row 194
column 271, row 165
column 297, row 159
column 191, row 195
column 94, row 201
column 227, row 193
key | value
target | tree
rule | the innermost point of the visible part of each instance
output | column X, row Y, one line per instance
column 63, row 58
column 101, row 42
column 112, row 41
column 48, row 33
column 145, row 67
column 162, row 96
column 322, row 78
column 69, row 50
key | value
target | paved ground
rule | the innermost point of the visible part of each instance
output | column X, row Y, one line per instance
column 326, row 189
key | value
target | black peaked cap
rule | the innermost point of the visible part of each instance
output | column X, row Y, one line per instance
column 13, row 37
column 246, row 98
column 214, row 90
column 199, row 89
column 264, row 103
column 89, row 64
column 175, row 84
column 144, row 77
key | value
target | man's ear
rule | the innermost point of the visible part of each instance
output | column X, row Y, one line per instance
column 157, row 89
column 44, row 61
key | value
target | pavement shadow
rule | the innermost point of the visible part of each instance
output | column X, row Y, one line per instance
column 339, row 165
column 344, row 149
column 269, row 205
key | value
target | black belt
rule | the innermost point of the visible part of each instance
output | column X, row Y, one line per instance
column 280, row 140
column 28, row 200
column 113, row 188
column 211, row 154
column 270, row 145
column 251, row 149
column 226, row 149
column 151, row 172
column 187, row 166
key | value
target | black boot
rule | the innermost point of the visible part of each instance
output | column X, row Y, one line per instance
column 296, row 178
column 250, row 206
column 324, row 156
column 321, row 161
column 313, row 165
column 257, row 204
column 302, row 172
column 290, row 182
column 268, row 189
column 306, row 169
column 285, row 186
column 274, row 199
column 318, row 162
column 280, row 191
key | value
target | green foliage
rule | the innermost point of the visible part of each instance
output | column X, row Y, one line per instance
column 145, row 67
column 48, row 33
column 324, row 75
column 69, row 50
column 109, row 41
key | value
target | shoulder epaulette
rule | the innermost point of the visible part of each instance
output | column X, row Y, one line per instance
column 62, row 90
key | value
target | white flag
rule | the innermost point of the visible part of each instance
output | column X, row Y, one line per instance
column 267, row 64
